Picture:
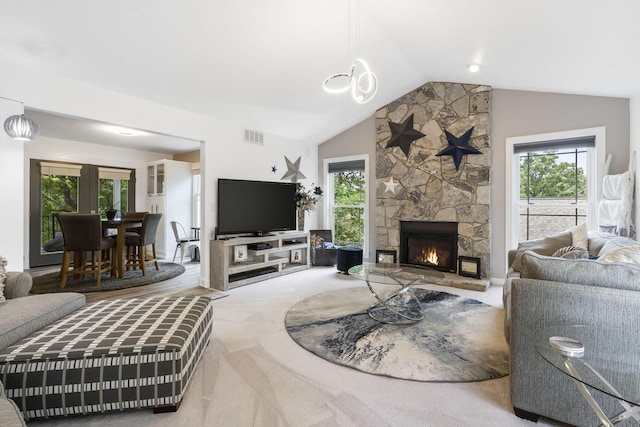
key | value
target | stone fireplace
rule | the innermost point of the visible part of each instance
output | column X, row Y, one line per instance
column 421, row 186
column 429, row 244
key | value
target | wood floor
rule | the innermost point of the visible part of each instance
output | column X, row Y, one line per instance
column 185, row 285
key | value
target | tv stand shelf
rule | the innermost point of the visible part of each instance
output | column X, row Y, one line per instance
column 261, row 264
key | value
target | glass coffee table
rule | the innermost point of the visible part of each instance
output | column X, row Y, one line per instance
column 603, row 359
column 399, row 307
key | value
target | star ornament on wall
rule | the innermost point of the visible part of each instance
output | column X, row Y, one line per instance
column 403, row 134
column 458, row 147
column 293, row 170
column 390, row 186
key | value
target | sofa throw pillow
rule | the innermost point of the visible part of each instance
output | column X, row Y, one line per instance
column 571, row 252
column 581, row 271
column 614, row 243
column 628, row 254
column 579, row 236
column 544, row 246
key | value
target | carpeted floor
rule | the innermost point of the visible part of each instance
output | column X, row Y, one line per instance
column 50, row 282
column 459, row 340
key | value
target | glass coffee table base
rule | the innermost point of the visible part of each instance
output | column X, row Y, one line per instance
column 399, row 308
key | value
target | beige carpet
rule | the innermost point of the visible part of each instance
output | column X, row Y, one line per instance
column 254, row 374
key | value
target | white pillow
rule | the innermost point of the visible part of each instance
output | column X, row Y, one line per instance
column 579, row 236
column 628, row 254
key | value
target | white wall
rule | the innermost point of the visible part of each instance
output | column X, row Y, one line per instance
column 12, row 212
column 223, row 153
column 634, row 124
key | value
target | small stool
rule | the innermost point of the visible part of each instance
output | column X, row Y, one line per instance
column 348, row 257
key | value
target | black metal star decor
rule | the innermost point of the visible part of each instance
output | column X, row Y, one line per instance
column 274, row 169
column 403, row 134
column 458, row 147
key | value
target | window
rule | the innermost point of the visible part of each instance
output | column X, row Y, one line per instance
column 554, row 182
column 59, row 185
column 346, row 197
column 553, row 189
column 113, row 189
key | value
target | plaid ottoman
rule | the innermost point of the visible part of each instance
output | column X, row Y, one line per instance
column 109, row 356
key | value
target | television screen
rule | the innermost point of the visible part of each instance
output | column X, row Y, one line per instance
column 255, row 206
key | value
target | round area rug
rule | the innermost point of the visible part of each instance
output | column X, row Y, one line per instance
column 459, row 340
column 50, row 282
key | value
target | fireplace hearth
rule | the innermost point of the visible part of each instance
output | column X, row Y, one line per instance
column 429, row 244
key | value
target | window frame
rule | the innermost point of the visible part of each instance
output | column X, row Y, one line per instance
column 512, row 177
column 329, row 196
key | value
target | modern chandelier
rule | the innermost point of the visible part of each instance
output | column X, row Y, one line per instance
column 360, row 79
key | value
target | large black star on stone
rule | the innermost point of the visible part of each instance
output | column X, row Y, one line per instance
column 458, row 147
column 403, row 134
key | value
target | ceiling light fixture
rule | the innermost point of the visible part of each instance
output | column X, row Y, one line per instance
column 474, row 68
column 21, row 127
column 360, row 79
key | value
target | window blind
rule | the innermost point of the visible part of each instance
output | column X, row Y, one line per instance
column 110, row 173
column 348, row 166
column 63, row 169
column 557, row 144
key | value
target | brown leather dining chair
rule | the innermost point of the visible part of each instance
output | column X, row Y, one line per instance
column 138, row 257
column 82, row 235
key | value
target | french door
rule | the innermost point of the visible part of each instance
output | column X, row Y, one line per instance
column 57, row 187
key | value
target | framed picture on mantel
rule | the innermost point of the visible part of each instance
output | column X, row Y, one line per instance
column 469, row 266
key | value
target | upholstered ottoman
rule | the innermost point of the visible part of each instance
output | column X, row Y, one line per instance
column 109, row 356
column 347, row 258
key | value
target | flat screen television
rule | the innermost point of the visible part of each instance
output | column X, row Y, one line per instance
column 257, row 207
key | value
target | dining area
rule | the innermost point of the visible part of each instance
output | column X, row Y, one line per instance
column 93, row 246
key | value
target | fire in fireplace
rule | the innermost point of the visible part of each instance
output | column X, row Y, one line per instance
column 429, row 244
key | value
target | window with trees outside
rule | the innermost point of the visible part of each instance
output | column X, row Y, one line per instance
column 553, row 186
column 346, row 202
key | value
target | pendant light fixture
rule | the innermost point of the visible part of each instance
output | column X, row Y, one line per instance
column 360, row 79
column 21, row 127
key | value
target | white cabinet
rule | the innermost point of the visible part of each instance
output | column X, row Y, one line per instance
column 244, row 260
column 172, row 197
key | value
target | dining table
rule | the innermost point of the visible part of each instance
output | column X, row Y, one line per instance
column 121, row 226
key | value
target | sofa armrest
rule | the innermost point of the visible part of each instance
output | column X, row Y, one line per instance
column 538, row 388
column 17, row 284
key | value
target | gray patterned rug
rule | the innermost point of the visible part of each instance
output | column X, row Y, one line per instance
column 50, row 282
column 460, row 339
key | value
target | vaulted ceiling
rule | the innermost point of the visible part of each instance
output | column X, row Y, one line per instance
column 261, row 63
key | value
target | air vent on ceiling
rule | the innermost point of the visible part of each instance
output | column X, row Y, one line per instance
column 253, row 137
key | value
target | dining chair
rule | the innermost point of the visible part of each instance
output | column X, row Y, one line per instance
column 135, row 216
column 82, row 235
column 138, row 256
column 183, row 240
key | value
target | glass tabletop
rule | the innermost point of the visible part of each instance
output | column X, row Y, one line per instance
column 392, row 274
column 610, row 361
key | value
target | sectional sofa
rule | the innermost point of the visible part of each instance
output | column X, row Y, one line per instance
column 599, row 289
column 61, row 357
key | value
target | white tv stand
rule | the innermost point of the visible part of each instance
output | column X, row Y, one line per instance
column 260, row 264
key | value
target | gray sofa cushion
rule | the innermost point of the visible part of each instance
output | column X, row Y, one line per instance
column 581, row 271
column 544, row 246
column 21, row 317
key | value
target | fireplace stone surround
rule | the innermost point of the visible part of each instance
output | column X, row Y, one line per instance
column 426, row 187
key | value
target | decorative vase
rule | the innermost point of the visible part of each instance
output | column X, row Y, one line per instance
column 111, row 214
column 301, row 213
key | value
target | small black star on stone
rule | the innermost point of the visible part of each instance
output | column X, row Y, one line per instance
column 403, row 134
column 273, row 169
column 458, row 147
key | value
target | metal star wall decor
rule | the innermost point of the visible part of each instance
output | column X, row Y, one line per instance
column 274, row 169
column 293, row 171
column 390, row 186
column 403, row 134
column 458, row 147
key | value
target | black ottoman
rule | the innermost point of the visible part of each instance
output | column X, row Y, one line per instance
column 348, row 257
